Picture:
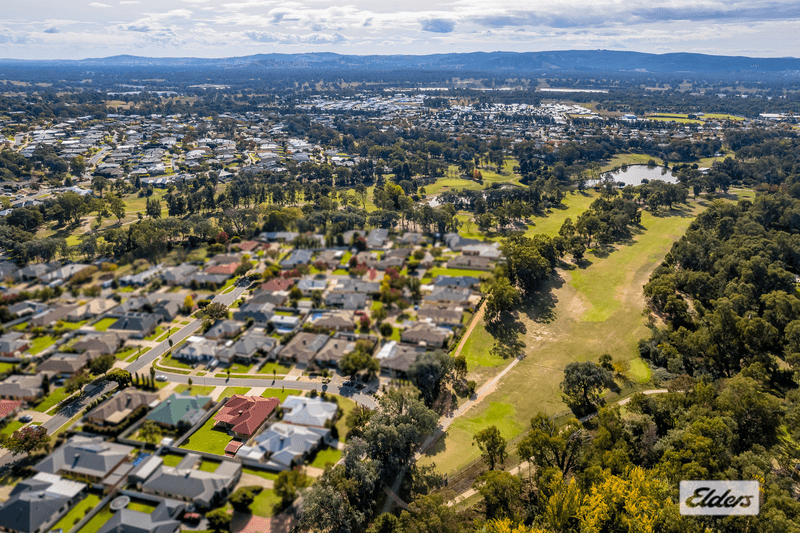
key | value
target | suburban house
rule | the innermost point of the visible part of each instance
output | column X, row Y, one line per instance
column 346, row 300
column 376, row 238
column 91, row 309
column 178, row 275
column 474, row 262
column 395, row 359
column 103, row 343
column 337, row 320
column 163, row 519
column 297, row 258
column 223, row 329
column 140, row 325
column 303, row 347
column 186, row 482
column 27, row 307
column 244, row 415
column 36, row 504
column 261, row 313
column 278, row 284
column 89, row 457
column 9, row 408
column 449, row 296
column 64, row 364
column 425, row 333
column 304, row 411
column 180, row 410
column 197, row 349
column 457, row 282
column 13, row 343
column 308, row 286
column 284, row 445
column 22, row 387
column 48, row 316
column 333, row 351
column 116, row 408
column 248, row 345
column 450, row 316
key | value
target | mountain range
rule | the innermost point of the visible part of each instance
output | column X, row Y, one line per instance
column 508, row 62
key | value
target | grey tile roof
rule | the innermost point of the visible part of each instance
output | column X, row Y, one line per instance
column 180, row 409
column 36, row 502
column 190, row 484
column 161, row 520
column 91, row 456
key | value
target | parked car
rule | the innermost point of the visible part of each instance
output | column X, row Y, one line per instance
column 347, row 383
column 25, row 418
column 192, row 517
column 161, row 377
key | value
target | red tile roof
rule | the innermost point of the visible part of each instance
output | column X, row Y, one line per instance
column 245, row 414
column 233, row 447
column 278, row 284
column 246, row 246
column 7, row 407
column 222, row 269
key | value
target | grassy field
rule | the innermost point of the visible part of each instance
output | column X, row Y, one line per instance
column 572, row 206
column 630, row 159
column 584, row 313
column 481, row 364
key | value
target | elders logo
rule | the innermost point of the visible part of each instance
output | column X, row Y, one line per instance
column 719, row 498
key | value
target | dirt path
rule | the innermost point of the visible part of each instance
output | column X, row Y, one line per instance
column 475, row 319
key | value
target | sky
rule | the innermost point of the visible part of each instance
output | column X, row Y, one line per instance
column 77, row 29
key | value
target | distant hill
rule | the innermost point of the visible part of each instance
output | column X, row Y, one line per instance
column 575, row 60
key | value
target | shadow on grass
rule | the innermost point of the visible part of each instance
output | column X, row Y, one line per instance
column 540, row 306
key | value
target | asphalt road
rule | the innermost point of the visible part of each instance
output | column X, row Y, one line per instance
column 98, row 156
column 186, row 331
column 64, row 415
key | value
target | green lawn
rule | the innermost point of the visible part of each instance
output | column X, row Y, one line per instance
column 324, row 456
column 209, row 466
column 265, row 503
column 175, row 363
column 261, row 473
column 277, row 367
column 172, row 459
column 230, row 391
column 11, row 427
column 55, row 396
column 197, row 390
column 159, row 330
column 104, row 324
column 77, row 512
column 346, row 257
column 346, row 405
column 73, row 325
column 39, row 344
column 6, row 367
column 208, row 439
column 631, row 159
column 141, row 506
column 97, row 521
column 281, row 394
column 439, row 271
column 340, row 272
column 125, row 353
column 572, row 206
column 167, row 334
column 239, row 368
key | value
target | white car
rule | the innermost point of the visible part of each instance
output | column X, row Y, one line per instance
column 161, row 377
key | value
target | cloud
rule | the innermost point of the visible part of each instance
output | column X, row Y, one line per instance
column 99, row 4
column 286, row 38
column 52, row 30
column 438, row 25
column 124, row 2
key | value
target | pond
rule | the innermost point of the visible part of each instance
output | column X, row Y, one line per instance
column 636, row 173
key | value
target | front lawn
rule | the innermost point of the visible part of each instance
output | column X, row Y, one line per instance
column 239, row 368
column 208, row 439
column 230, row 391
column 73, row 325
column 277, row 367
column 104, row 324
column 126, row 352
column 196, row 390
column 439, row 271
column 169, row 333
column 11, row 427
column 265, row 503
column 174, row 363
column 282, row 394
column 346, row 405
column 55, row 396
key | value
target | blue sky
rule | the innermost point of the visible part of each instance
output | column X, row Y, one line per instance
column 75, row 29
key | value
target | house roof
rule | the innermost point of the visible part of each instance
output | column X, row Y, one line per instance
column 334, row 350
column 61, row 362
column 425, row 332
column 179, row 408
column 91, row 456
column 185, row 482
column 245, row 414
column 304, row 346
column 228, row 269
column 161, row 520
column 284, row 442
column 304, row 411
column 223, row 328
column 37, row 501
column 140, row 322
column 120, row 405
column 21, row 386
column 278, row 284
column 9, row 406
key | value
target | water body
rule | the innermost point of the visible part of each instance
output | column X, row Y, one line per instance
column 635, row 174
